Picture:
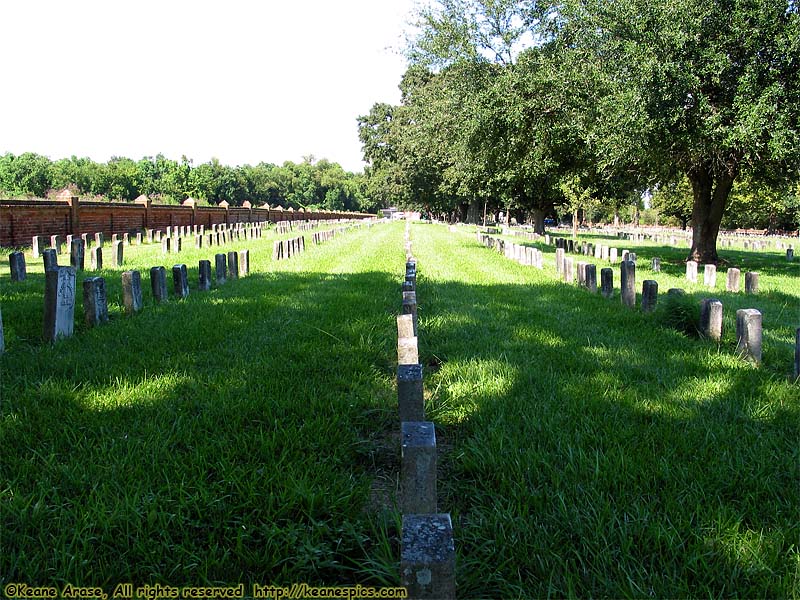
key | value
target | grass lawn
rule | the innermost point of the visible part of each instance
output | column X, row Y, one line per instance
column 248, row 434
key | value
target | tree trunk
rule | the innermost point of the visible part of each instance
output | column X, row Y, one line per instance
column 710, row 200
column 575, row 224
column 538, row 221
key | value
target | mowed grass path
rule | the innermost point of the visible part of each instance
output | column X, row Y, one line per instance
column 216, row 440
column 589, row 451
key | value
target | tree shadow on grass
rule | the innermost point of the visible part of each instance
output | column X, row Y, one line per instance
column 619, row 457
column 219, row 439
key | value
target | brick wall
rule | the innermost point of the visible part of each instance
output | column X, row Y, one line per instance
column 20, row 220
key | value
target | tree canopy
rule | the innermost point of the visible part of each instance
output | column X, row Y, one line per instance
column 311, row 183
column 528, row 105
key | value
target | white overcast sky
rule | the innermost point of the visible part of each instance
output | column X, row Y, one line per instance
column 244, row 81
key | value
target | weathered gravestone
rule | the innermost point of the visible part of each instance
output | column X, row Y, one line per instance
column 50, row 259
column 627, row 283
column 649, row 294
column 428, row 557
column 57, row 243
column 732, row 282
column 655, row 264
column 59, row 303
column 166, row 242
column 233, row 265
column 38, row 245
column 751, row 282
column 180, row 281
column 204, row 275
column 244, row 263
column 16, row 262
column 116, row 254
column 691, row 271
column 410, row 401
column 220, row 268
column 158, row 284
column 748, row 333
column 418, row 467
column 77, row 254
column 710, row 275
column 132, row 291
column 711, row 318
column 95, row 303
column 607, row 282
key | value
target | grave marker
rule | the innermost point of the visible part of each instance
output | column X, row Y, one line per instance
column 691, row 271
column 244, row 263
column 96, row 258
column 220, row 268
column 204, row 275
column 95, row 303
column 50, row 259
column 428, row 557
column 748, row 333
column 711, row 318
column 180, row 281
column 116, row 254
column 410, row 402
column 59, row 303
column 16, row 261
column 158, row 283
column 418, row 467
column 649, row 294
column 132, row 291
column 76, row 254
column 607, row 282
column 233, row 265
column 732, row 283
column 710, row 275
column 37, row 245
column 751, row 282
column 628, row 283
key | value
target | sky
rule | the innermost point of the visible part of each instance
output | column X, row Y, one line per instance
column 243, row 81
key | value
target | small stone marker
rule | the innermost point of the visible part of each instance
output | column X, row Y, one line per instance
column 590, row 277
column 96, row 258
column 649, row 295
column 138, row 238
column 751, row 282
column 569, row 269
column 607, row 282
column 691, row 271
column 180, row 281
column 732, row 283
column 16, row 261
column 158, row 283
column 559, row 260
column 710, row 275
column 38, row 245
column 233, row 265
column 410, row 307
column 76, row 254
column 676, row 292
column 116, row 254
column 98, row 239
column 655, row 264
column 165, row 245
column 132, row 291
column 50, row 259
column 204, row 275
column 95, row 303
column 176, row 244
column 790, row 254
column 711, row 318
column 59, row 303
column 244, row 263
column 628, row 283
column 748, row 333
column 220, row 268
column 428, row 557
column 407, row 351
column 410, row 402
column 405, row 326
column 198, row 241
column 612, row 257
column 56, row 242
column 418, row 467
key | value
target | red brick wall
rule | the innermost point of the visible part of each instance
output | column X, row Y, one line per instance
column 20, row 220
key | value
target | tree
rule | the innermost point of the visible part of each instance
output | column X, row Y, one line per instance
column 706, row 88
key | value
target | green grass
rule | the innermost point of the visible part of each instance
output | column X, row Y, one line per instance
column 248, row 434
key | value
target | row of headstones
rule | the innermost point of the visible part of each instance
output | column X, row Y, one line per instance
column 77, row 258
column 427, row 554
column 748, row 321
column 724, row 241
column 60, row 290
column 324, row 236
column 283, row 249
